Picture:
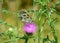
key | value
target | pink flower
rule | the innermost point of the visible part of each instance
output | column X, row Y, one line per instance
column 30, row 27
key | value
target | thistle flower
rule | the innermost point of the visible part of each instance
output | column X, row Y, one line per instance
column 30, row 28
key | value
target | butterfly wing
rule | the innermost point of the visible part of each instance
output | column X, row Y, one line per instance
column 24, row 16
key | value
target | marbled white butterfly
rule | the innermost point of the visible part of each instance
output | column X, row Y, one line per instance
column 24, row 16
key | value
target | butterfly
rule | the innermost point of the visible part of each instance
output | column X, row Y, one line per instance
column 24, row 16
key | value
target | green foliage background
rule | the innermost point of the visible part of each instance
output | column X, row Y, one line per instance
column 46, row 16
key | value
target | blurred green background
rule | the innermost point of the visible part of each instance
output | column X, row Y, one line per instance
column 11, row 17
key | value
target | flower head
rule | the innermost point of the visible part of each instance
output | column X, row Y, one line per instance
column 30, row 27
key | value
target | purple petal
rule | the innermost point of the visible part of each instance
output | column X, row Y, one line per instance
column 30, row 27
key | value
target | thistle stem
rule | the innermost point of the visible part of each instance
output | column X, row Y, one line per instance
column 26, row 40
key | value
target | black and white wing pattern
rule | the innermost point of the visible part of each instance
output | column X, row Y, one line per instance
column 24, row 16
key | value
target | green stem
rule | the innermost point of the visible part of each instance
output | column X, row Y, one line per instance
column 39, row 29
column 26, row 37
column 26, row 40
column 39, row 35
